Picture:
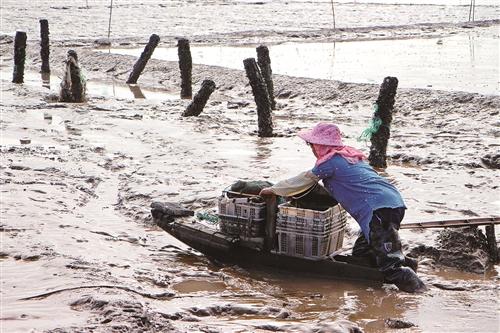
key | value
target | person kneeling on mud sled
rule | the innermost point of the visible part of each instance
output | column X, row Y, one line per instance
column 370, row 199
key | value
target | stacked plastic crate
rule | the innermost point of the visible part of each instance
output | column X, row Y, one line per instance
column 310, row 234
column 243, row 216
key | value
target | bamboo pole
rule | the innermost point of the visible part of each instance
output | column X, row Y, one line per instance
column 452, row 223
column 333, row 16
column 109, row 24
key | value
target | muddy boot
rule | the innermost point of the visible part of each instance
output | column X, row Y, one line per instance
column 363, row 251
column 412, row 263
column 386, row 245
column 406, row 280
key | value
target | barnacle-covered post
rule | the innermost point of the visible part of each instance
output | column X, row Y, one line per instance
column 73, row 83
column 200, row 99
column 19, row 56
column 261, row 96
column 383, row 115
column 185, row 66
column 143, row 59
column 264, row 62
column 44, row 45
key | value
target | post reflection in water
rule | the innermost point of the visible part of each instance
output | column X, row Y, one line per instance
column 262, row 151
column 136, row 91
column 472, row 50
column 46, row 80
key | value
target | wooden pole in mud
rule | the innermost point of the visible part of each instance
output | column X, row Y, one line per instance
column 200, row 99
column 261, row 96
column 77, row 86
column 110, row 15
column 186, row 66
column 19, row 56
column 383, row 113
column 143, row 59
column 44, row 45
column 333, row 15
column 73, row 86
column 270, row 228
column 264, row 62
column 492, row 243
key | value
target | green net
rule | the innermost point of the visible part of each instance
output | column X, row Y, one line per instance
column 373, row 126
column 212, row 218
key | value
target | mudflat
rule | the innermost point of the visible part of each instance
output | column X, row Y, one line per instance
column 77, row 180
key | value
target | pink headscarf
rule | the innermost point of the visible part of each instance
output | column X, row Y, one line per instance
column 327, row 142
column 324, row 153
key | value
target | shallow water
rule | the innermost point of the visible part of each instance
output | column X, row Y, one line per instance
column 110, row 88
column 465, row 62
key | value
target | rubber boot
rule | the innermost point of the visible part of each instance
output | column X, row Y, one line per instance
column 406, row 280
column 363, row 249
column 412, row 263
column 386, row 245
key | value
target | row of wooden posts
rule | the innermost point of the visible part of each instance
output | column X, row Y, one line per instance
column 259, row 74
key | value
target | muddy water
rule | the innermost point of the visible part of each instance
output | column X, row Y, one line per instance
column 108, row 88
column 75, row 213
column 465, row 62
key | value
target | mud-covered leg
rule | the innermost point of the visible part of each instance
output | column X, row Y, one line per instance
column 386, row 245
column 362, row 248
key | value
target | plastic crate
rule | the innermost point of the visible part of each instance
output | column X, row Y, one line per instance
column 309, row 246
column 241, row 207
column 308, row 233
column 241, row 215
column 316, row 229
column 306, row 220
column 287, row 210
column 244, row 227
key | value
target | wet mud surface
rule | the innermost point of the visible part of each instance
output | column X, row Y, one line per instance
column 79, row 250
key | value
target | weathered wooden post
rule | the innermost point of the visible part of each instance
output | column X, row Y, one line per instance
column 261, row 97
column 44, row 45
column 264, row 62
column 383, row 115
column 19, row 56
column 492, row 243
column 143, row 59
column 73, row 84
column 270, row 228
column 200, row 99
column 186, row 66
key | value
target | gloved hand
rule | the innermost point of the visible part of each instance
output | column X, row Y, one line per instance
column 266, row 191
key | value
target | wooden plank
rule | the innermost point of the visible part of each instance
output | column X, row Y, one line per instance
column 270, row 230
column 452, row 223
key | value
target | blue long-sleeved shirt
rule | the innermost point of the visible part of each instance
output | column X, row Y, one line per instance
column 358, row 188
